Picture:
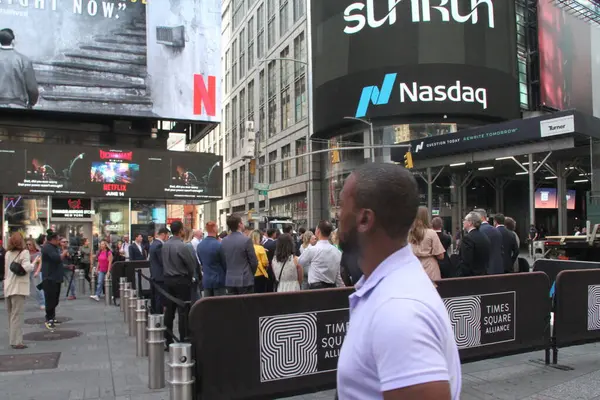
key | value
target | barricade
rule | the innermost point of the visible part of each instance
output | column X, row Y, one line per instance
column 248, row 328
column 577, row 309
column 492, row 316
column 126, row 269
column 553, row 267
column 498, row 315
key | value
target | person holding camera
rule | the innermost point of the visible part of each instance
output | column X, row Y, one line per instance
column 69, row 268
column 16, row 287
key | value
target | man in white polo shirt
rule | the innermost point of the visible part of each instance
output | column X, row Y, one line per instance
column 400, row 344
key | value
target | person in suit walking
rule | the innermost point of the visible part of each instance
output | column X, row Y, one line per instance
column 240, row 258
column 495, row 263
column 136, row 250
column 270, row 244
column 509, row 244
column 474, row 249
column 446, row 268
column 157, row 270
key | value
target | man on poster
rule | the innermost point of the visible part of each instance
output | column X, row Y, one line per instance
column 18, row 86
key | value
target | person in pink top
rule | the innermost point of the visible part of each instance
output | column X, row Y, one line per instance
column 104, row 258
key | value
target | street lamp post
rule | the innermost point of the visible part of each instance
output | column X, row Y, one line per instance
column 371, row 136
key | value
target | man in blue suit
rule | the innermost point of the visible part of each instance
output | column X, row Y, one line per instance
column 156, row 268
column 496, row 264
column 213, row 262
column 136, row 250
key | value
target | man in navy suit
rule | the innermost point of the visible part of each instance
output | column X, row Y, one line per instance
column 509, row 242
column 156, row 268
column 213, row 262
column 136, row 250
column 496, row 263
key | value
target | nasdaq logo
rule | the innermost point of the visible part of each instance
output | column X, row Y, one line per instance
column 375, row 95
column 419, row 147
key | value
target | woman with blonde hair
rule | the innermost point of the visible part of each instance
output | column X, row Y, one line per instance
column 16, row 288
column 308, row 238
column 426, row 244
column 261, row 277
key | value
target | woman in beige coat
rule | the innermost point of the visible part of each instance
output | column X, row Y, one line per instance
column 16, row 288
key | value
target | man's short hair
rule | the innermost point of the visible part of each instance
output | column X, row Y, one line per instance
column 271, row 232
column 393, row 184
column 474, row 218
column 233, row 222
column 288, row 229
column 163, row 231
column 138, row 235
column 500, row 219
column 301, row 231
column 437, row 223
column 6, row 37
column 325, row 227
column 481, row 212
column 211, row 228
column 176, row 228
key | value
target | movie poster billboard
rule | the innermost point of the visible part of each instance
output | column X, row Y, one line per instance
column 39, row 169
column 136, row 58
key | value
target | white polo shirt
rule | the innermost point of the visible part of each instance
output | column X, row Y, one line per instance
column 400, row 334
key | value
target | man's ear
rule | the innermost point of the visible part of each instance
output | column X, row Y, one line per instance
column 365, row 220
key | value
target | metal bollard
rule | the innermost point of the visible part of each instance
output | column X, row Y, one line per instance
column 126, row 292
column 122, row 281
column 107, row 290
column 80, row 281
column 156, row 351
column 182, row 371
column 132, row 304
column 141, row 334
column 94, row 282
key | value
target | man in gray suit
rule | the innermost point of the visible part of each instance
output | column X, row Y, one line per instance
column 496, row 263
column 240, row 258
column 178, row 266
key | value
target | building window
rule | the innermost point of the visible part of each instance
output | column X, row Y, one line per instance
column 234, row 63
column 242, row 178
column 299, row 9
column 263, row 123
column 261, row 87
column 227, row 118
column 300, row 161
column 261, row 101
column 242, row 53
column 250, row 100
column 234, row 122
column 272, row 106
column 299, row 54
column 220, row 147
column 242, row 116
column 250, row 179
column 260, row 32
column 261, row 169
column 234, row 181
column 286, row 163
column 271, row 27
column 227, row 147
column 300, row 98
column 272, row 167
column 227, row 184
column 227, row 71
column 238, row 13
column 283, row 17
column 284, row 66
column 250, row 31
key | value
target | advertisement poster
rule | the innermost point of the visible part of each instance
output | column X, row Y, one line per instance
column 105, row 172
column 137, row 58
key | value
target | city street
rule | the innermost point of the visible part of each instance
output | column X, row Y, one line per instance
column 100, row 364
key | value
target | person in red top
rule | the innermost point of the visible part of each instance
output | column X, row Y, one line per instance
column 104, row 258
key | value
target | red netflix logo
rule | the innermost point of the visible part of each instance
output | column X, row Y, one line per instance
column 110, row 187
column 205, row 96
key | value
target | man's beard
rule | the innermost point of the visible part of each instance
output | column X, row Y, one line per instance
column 350, row 241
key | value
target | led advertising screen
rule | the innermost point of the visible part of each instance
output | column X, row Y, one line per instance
column 377, row 59
column 569, row 60
column 108, row 172
column 547, row 198
column 72, row 208
column 137, row 58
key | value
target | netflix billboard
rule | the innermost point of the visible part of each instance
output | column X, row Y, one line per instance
column 134, row 58
column 73, row 171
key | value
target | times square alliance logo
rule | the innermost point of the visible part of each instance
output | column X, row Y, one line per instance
column 421, row 11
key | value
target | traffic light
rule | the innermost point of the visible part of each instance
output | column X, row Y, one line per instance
column 335, row 156
column 408, row 162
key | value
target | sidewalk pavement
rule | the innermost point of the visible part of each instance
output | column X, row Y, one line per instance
column 100, row 364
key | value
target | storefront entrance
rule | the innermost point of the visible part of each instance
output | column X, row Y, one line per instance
column 74, row 231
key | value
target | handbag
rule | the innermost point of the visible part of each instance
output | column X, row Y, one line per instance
column 276, row 283
column 16, row 267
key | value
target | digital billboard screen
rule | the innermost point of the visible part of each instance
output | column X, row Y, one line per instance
column 138, row 58
column 547, row 198
column 108, row 172
column 377, row 59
